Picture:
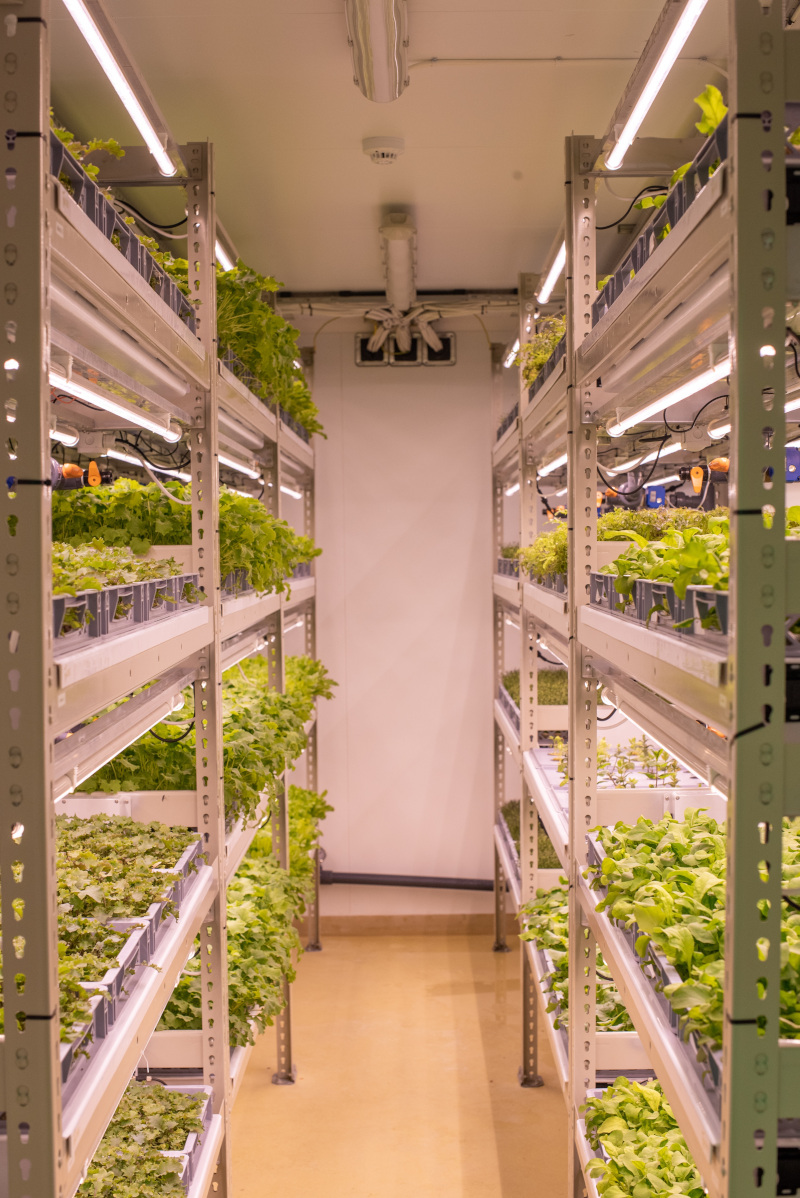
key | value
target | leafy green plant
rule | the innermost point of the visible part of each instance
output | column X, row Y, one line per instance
column 683, row 558
column 262, row 731
column 535, row 353
column 129, row 514
column 545, row 921
column 509, row 552
column 551, row 687
column 149, row 1121
column 548, row 553
column 646, row 1155
column 79, row 150
column 94, row 565
column 623, row 768
column 263, row 903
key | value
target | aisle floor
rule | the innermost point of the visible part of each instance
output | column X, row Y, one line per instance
column 407, row 1050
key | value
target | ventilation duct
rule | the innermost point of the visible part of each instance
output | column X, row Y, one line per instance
column 377, row 31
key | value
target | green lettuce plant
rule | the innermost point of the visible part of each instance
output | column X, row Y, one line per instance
column 533, row 356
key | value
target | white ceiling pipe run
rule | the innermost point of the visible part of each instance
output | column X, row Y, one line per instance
column 399, row 244
column 74, row 315
column 377, row 32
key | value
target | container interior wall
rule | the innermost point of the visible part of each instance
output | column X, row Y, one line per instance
column 404, row 623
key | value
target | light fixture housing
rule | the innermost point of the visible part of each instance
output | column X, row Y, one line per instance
column 115, row 407
column 133, row 461
column 553, row 274
column 291, row 493
column 648, row 82
column 377, row 32
column 222, row 256
column 511, row 357
column 512, row 490
column 624, row 467
column 235, row 464
column 65, row 434
column 556, row 463
column 691, row 387
column 107, row 48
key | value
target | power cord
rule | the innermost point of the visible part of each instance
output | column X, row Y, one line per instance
column 643, row 484
column 172, row 740
column 652, row 187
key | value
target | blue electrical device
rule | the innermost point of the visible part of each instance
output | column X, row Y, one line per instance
column 656, row 496
column 792, row 464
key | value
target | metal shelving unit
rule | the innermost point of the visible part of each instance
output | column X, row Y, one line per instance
column 74, row 301
column 714, row 288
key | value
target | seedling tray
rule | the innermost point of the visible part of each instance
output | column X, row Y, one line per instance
column 549, row 368
column 551, row 582
column 508, row 705
column 302, row 570
column 236, row 583
column 151, row 920
column 509, row 566
column 189, row 1155
column 101, row 212
column 113, row 610
column 507, row 421
column 295, row 426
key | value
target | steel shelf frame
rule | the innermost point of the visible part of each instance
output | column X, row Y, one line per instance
column 716, row 286
column 46, row 742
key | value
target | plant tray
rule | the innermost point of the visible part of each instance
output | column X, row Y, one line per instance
column 189, row 1155
column 302, row 570
column 113, row 610
column 508, row 566
column 558, row 354
column 151, row 921
column 296, row 427
column 236, row 583
column 101, row 212
column 117, row 983
column 507, row 421
column 76, row 1053
column 551, row 582
column 677, row 204
column 509, row 706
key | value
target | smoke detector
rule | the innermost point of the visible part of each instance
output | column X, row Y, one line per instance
column 383, row 150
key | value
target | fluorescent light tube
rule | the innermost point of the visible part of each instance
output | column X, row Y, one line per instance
column 132, row 461
column 289, row 491
column 129, row 412
column 232, row 464
column 698, row 383
column 223, row 258
column 99, row 47
column 551, row 466
column 512, row 353
column 651, row 457
column 297, row 624
column 513, row 490
column 64, row 434
column 563, row 491
column 655, row 81
column 559, row 262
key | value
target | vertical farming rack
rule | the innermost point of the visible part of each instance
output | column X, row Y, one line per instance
column 74, row 302
column 708, row 295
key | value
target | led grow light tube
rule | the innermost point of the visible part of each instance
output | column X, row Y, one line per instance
column 222, row 257
column 563, row 491
column 132, row 461
column 651, row 457
column 102, row 52
column 559, row 262
column 232, row 464
column 129, row 412
column 512, row 490
column 289, row 491
column 685, row 391
column 718, row 431
column 512, row 353
column 543, row 471
column 655, row 81
column 66, row 435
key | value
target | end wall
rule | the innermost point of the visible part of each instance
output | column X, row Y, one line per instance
column 405, row 624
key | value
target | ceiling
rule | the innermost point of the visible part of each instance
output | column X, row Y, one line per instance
column 270, row 83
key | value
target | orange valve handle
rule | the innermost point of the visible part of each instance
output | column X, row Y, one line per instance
column 698, row 474
column 93, row 475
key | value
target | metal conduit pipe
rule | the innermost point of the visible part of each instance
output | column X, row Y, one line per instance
column 330, row 877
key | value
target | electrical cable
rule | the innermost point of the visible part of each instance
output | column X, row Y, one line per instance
column 643, row 484
column 172, row 740
column 547, row 659
column 606, row 718
column 697, row 414
column 158, row 228
column 614, row 223
column 790, row 902
column 708, row 484
column 794, row 351
column 146, row 466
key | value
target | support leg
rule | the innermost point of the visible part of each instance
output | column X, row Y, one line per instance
column 314, row 945
column 529, row 1076
column 500, row 945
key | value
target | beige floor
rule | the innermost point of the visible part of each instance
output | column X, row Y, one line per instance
column 407, row 1050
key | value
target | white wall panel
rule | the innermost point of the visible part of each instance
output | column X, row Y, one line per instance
column 404, row 603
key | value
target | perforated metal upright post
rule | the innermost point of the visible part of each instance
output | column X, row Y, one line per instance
column 498, row 634
column 581, row 154
column 285, row 1072
column 751, row 1053
column 314, row 944
column 529, row 1075
column 32, row 1081
column 208, row 687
